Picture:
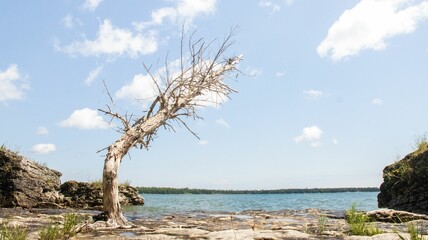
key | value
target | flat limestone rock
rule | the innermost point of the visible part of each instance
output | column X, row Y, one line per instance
column 248, row 225
column 257, row 234
column 394, row 216
column 191, row 232
column 383, row 236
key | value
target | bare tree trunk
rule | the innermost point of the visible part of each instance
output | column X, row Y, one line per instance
column 116, row 151
column 111, row 203
column 178, row 97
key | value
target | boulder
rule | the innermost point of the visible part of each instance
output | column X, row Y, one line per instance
column 84, row 195
column 394, row 216
column 26, row 183
column 405, row 185
column 81, row 195
column 129, row 196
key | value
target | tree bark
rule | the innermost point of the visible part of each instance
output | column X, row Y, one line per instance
column 111, row 202
column 116, row 151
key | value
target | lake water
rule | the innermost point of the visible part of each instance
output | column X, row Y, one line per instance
column 162, row 204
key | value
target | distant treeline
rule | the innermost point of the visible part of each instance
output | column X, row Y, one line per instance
column 167, row 190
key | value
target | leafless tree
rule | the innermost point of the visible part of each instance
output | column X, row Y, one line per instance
column 198, row 82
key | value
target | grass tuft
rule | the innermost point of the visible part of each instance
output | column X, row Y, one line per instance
column 322, row 224
column 70, row 223
column 421, row 144
column 415, row 232
column 126, row 183
column 402, row 171
column 359, row 223
column 96, row 183
column 99, row 183
column 13, row 233
column 52, row 232
column 67, row 231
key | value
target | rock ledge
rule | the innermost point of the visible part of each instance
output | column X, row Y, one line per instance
column 405, row 185
column 27, row 184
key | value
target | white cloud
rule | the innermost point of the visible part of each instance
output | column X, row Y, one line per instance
column 273, row 7
column 93, row 75
column 11, row 88
column 203, row 142
column 369, row 24
column 43, row 148
column 141, row 88
column 253, row 72
column 221, row 122
column 184, row 11
column 207, row 98
column 210, row 99
column 91, row 5
column 313, row 94
column 69, row 21
column 312, row 135
column 288, row 2
column 113, row 41
column 188, row 9
column 42, row 131
column 279, row 74
column 85, row 118
column 377, row 101
column 335, row 141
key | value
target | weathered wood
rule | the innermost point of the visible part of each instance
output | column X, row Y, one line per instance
column 177, row 98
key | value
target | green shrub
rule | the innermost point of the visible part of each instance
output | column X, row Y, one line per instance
column 359, row 223
column 13, row 233
column 52, row 232
column 70, row 223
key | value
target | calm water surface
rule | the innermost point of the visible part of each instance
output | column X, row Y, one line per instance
column 160, row 204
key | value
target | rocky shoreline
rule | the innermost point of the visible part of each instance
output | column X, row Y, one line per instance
column 33, row 199
column 286, row 224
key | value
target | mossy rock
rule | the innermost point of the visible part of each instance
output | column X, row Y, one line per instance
column 405, row 185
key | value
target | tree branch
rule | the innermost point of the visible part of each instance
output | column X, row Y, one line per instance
column 125, row 123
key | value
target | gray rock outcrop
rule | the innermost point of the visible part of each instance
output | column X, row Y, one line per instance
column 85, row 195
column 405, row 185
column 26, row 183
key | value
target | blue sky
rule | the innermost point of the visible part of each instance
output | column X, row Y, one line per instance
column 333, row 91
